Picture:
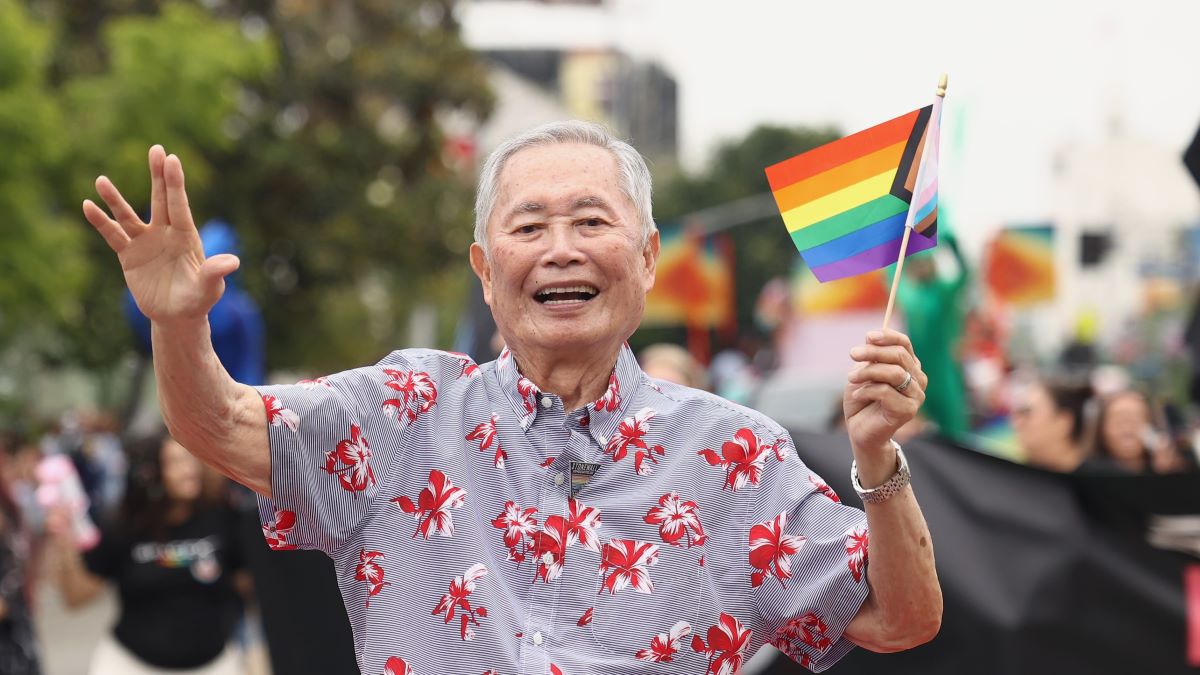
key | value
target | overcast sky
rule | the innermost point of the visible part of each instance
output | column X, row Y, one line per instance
column 1026, row 78
column 1024, row 81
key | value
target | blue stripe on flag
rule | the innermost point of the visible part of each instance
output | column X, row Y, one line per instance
column 926, row 209
column 856, row 242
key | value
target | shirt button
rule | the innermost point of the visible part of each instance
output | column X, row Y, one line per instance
column 602, row 440
column 548, row 558
column 537, row 638
column 546, row 402
column 559, row 478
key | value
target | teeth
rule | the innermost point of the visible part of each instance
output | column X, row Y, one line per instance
column 561, row 302
column 570, row 289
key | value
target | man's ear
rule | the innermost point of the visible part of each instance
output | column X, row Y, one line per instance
column 650, row 259
column 483, row 270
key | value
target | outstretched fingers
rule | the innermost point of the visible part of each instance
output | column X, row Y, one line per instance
column 158, row 187
column 122, row 212
column 110, row 229
column 179, row 214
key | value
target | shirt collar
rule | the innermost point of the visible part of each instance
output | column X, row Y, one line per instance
column 604, row 414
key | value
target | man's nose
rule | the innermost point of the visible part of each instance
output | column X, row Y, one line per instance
column 563, row 247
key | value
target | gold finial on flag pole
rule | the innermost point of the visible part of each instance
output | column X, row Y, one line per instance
column 942, row 82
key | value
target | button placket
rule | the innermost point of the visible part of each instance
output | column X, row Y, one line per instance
column 544, row 597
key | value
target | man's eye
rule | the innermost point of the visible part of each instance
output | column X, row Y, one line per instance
column 592, row 222
column 527, row 229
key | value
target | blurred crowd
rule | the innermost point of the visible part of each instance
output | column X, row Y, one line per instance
column 83, row 508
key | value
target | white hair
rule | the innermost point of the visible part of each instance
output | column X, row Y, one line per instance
column 633, row 174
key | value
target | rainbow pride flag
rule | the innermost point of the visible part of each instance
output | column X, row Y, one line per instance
column 846, row 203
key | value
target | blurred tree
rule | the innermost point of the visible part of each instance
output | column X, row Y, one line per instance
column 334, row 136
column 40, row 251
column 763, row 249
column 172, row 77
column 348, row 184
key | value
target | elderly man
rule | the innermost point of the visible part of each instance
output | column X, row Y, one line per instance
column 556, row 510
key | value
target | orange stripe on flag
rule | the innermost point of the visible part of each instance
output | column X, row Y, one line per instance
column 845, row 175
column 841, row 151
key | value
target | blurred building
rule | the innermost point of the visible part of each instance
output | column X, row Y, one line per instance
column 1124, row 211
column 559, row 59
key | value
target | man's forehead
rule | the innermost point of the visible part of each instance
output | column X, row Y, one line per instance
column 565, row 175
column 584, row 202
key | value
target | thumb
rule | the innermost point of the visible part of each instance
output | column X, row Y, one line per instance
column 219, row 266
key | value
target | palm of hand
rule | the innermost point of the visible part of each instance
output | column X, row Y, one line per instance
column 163, row 261
column 162, row 268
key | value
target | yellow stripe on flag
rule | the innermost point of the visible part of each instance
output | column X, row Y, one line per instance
column 842, row 176
column 836, row 202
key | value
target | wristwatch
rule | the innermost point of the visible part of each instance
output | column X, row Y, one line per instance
column 890, row 487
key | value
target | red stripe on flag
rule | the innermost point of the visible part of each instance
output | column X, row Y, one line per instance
column 1191, row 594
column 839, row 152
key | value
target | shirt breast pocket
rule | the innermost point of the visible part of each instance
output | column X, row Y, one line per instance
column 644, row 591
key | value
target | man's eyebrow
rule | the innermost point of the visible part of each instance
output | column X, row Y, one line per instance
column 527, row 207
column 591, row 201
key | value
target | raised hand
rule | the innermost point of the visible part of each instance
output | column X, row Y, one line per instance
column 885, row 389
column 163, row 260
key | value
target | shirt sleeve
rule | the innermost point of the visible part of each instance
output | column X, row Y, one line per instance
column 809, row 555
column 329, row 439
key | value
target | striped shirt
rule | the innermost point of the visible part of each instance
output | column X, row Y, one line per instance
column 478, row 527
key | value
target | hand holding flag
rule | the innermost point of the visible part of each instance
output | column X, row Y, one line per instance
column 851, row 205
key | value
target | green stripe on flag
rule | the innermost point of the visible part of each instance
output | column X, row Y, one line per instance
column 848, row 221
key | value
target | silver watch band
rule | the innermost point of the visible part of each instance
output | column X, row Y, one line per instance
column 890, row 487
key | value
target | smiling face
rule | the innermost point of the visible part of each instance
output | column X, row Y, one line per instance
column 567, row 267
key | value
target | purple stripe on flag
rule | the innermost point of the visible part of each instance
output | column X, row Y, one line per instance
column 873, row 258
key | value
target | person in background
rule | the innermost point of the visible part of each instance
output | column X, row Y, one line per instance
column 18, row 644
column 673, row 364
column 171, row 554
column 1131, row 437
column 934, row 312
column 1049, row 417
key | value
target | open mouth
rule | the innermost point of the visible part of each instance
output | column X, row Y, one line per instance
column 566, row 294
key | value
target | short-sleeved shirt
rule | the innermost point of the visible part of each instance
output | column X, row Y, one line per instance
column 178, row 607
column 478, row 527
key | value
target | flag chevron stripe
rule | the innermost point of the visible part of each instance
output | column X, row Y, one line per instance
column 930, row 208
column 856, row 242
column 873, row 258
column 843, row 200
column 839, row 177
column 847, row 222
column 818, row 160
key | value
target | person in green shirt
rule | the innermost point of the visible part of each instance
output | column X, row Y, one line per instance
column 934, row 309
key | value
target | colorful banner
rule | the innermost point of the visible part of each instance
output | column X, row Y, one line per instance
column 694, row 282
column 852, row 294
column 1019, row 265
column 846, row 203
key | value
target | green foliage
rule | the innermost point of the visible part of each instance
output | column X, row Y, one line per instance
column 315, row 127
column 762, row 249
column 40, row 253
column 350, row 209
